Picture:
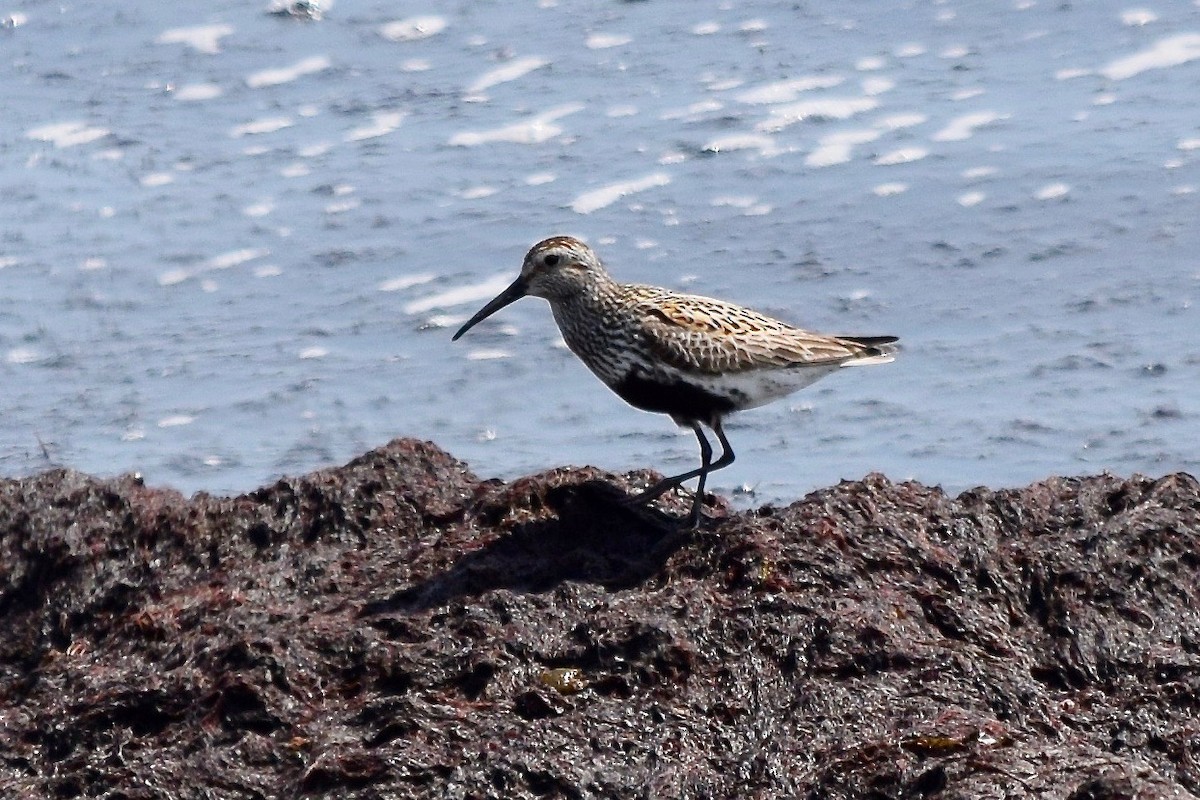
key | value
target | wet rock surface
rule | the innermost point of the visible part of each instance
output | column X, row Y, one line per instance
column 399, row 628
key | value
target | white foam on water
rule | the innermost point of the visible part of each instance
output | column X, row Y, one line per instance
column 874, row 86
column 889, row 189
column 826, row 108
column 445, row 320
column 722, row 84
column 706, row 28
column 278, row 75
column 413, row 28
column 963, row 127
column 733, row 201
column 534, row 130
column 261, row 126
column 66, row 134
column 235, row 257
column 910, row 50
column 1168, row 52
column 1071, row 73
column 406, row 282
column 903, row 155
column 969, row 199
column 176, row 420
column 838, row 148
column 314, row 150
column 615, row 112
column 191, row 92
column 416, row 65
column 259, row 209
column 895, row 122
column 786, row 91
column 478, row 192
column 1137, row 17
column 173, row 277
column 1052, row 191
column 597, row 199
column 313, row 352
column 156, row 179
column 23, row 355
column 517, row 68
column 693, row 111
column 540, row 178
column 764, row 144
column 603, row 41
column 975, row 173
column 484, row 354
column 870, row 63
column 471, row 293
column 955, row 51
column 201, row 38
column 382, row 123
column 1188, row 144
column 342, row 206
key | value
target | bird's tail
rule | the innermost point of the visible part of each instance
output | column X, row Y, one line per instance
column 871, row 350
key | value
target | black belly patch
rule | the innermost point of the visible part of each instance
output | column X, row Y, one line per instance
column 679, row 399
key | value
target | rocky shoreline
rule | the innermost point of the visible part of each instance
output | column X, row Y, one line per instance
column 399, row 628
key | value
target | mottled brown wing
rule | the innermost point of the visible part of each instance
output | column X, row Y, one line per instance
column 705, row 335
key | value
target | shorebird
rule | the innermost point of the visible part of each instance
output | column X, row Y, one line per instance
column 693, row 358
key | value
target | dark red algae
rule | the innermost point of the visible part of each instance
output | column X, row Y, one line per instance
column 397, row 628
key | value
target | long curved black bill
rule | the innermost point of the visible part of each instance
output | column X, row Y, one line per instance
column 512, row 294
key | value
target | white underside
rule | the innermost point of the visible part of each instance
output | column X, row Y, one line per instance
column 759, row 387
column 753, row 389
column 867, row 361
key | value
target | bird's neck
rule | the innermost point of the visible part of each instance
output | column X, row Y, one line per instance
column 591, row 324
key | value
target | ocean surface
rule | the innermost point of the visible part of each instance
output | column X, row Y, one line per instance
column 236, row 241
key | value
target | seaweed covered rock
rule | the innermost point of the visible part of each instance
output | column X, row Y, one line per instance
column 398, row 628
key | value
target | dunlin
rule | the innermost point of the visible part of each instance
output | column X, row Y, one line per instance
column 694, row 358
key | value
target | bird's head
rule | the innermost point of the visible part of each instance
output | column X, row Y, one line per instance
column 556, row 269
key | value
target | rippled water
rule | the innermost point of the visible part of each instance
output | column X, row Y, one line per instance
column 235, row 244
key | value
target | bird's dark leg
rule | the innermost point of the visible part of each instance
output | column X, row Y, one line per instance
column 706, row 466
column 727, row 455
column 667, row 484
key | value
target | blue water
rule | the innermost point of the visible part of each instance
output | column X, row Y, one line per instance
column 235, row 244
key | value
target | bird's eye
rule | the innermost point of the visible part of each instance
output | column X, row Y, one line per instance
column 552, row 260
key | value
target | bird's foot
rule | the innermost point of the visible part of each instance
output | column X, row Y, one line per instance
column 654, row 492
column 662, row 487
